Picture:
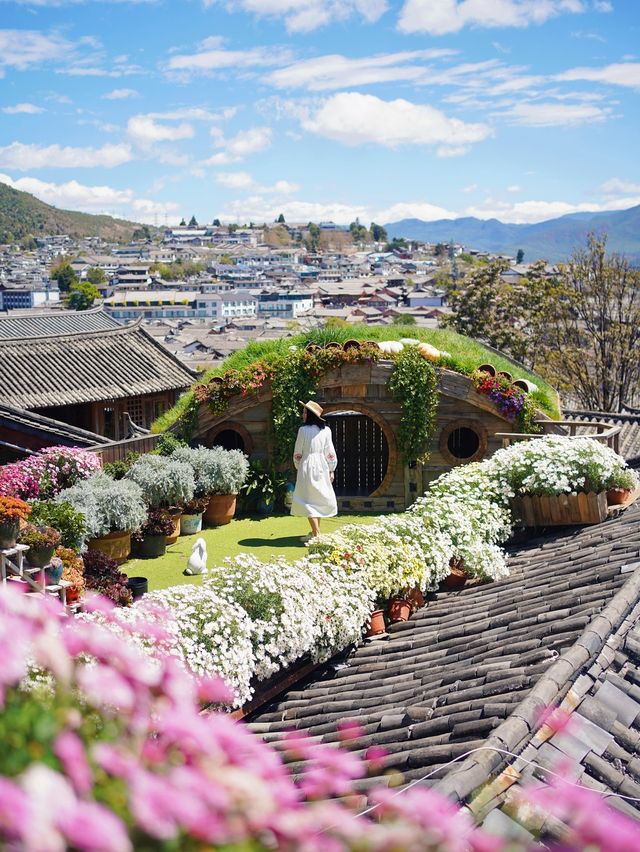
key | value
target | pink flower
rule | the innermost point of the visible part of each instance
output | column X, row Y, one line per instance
column 94, row 828
column 349, row 730
column 14, row 810
column 69, row 749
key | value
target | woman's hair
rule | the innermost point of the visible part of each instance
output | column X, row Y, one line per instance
column 314, row 420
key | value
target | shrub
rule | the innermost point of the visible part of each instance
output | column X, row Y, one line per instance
column 168, row 443
column 159, row 522
column 165, row 482
column 216, row 470
column 103, row 575
column 118, row 469
column 108, row 505
column 39, row 537
column 72, row 570
column 62, row 517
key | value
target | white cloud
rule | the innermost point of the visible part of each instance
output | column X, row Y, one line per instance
column 439, row 17
column 24, row 157
column 307, row 15
column 340, row 72
column 616, row 186
column 212, row 57
column 555, row 115
column 470, row 188
column 241, row 145
column 618, row 74
column 144, row 131
column 92, row 199
column 121, row 94
column 257, row 208
column 413, row 210
column 24, row 109
column 528, row 212
column 514, row 188
column 235, row 180
column 23, row 49
column 356, row 119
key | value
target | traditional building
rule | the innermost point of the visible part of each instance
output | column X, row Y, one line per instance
column 87, row 371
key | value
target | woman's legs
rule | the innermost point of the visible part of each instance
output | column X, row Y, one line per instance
column 314, row 523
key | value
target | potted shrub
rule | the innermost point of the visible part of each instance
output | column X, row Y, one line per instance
column 101, row 574
column 112, row 510
column 150, row 540
column 191, row 521
column 219, row 475
column 72, row 572
column 620, row 485
column 264, row 486
column 42, row 541
column 12, row 511
column 166, row 483
column 62, row 517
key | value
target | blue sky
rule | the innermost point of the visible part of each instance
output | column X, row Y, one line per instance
column 322, row 109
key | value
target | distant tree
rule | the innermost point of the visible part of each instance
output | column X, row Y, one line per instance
column 182, row 223
column 232, row 228
column 142, row 234
column 64, row 275
column 313, row 238
column 96, row 276
column 226, row 260
column 396, row 243
column 82, row 295
column 520, row 256
column 216, row 223
column 28, row 243
column 403, row 319
column 280, row 219
column 378, row 233
column 359, row 233
column 193, row 222
column 441, row 250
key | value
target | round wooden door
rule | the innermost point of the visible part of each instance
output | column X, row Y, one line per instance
column 362, row 450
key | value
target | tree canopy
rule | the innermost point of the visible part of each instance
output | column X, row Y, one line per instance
column 82, row 295
column 64, row 275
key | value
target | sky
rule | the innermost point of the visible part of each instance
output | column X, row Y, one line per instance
column 241, row 110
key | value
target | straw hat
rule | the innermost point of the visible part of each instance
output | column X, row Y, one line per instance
column 313, row 406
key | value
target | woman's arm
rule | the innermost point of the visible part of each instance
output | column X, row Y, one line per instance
column 297, row 451
column 329, row 451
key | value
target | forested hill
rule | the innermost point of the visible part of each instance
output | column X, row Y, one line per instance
column 22, row 214
column 554, row 240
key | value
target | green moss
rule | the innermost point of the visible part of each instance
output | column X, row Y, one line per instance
column 267, row 538
column 466, row 355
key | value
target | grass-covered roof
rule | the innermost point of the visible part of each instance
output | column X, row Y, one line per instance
column 466, row 355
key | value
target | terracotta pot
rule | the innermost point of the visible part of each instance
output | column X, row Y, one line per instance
column 415, row 598
column 173, row 537
column 617, row 496
column 399, row 609
column 115, row 545
column 221, row 509
column 73, row 595
column 9, row 534
column 351, row 344
column 191, row 524
column 376, row 623
column 487, row 368
column 457, row 576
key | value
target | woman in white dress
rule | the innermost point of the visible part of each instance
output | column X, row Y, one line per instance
column 315, row 460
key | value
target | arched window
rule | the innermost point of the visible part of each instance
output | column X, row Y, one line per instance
column 231, row 436
column 463, row 441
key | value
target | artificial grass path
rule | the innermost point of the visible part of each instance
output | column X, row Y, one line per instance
column 266, row 538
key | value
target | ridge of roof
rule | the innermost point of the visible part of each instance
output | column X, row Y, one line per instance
column 116, row 330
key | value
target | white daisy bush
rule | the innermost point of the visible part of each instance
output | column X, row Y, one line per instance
column 250, row 619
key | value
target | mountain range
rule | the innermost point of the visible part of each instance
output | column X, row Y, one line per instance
column 23, row 215
column 554, row 240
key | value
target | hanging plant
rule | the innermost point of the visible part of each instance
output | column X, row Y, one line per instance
column 413, row 384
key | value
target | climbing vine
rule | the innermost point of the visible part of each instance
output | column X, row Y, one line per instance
column 413, row 384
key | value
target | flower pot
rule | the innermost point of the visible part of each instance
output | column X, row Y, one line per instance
column 617, row 496
column 115, row 545
column 265, row 507
column 399, row 609
column 38, row 557
column 173, row 537
column 191, row 524
column 220, row 510
column 73, row 595
column 151, row 546
column 457, row 576
column 138, row 585
column 415, row 598
column 54, row 573
column 9, row 534
column 376, row 623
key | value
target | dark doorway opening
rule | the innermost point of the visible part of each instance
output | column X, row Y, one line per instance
column 362, row 450
column 463, row 443
column 229, row 439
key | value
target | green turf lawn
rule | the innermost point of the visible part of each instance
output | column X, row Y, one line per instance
column 277, row 535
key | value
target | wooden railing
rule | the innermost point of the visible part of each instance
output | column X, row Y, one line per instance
column 119, row 450
column 599, row 431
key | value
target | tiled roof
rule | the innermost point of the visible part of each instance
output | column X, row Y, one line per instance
column 460, row 668
column 54, row 323
column 629, row 433
column 45, row 427
column 120, row 362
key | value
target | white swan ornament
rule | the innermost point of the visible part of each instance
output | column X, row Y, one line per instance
column 197, row 563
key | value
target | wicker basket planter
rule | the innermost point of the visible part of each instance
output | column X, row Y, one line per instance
column 561, row 509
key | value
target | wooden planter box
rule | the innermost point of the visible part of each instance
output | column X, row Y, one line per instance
column 561, row 510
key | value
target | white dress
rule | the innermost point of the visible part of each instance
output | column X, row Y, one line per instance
column 314, row 458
